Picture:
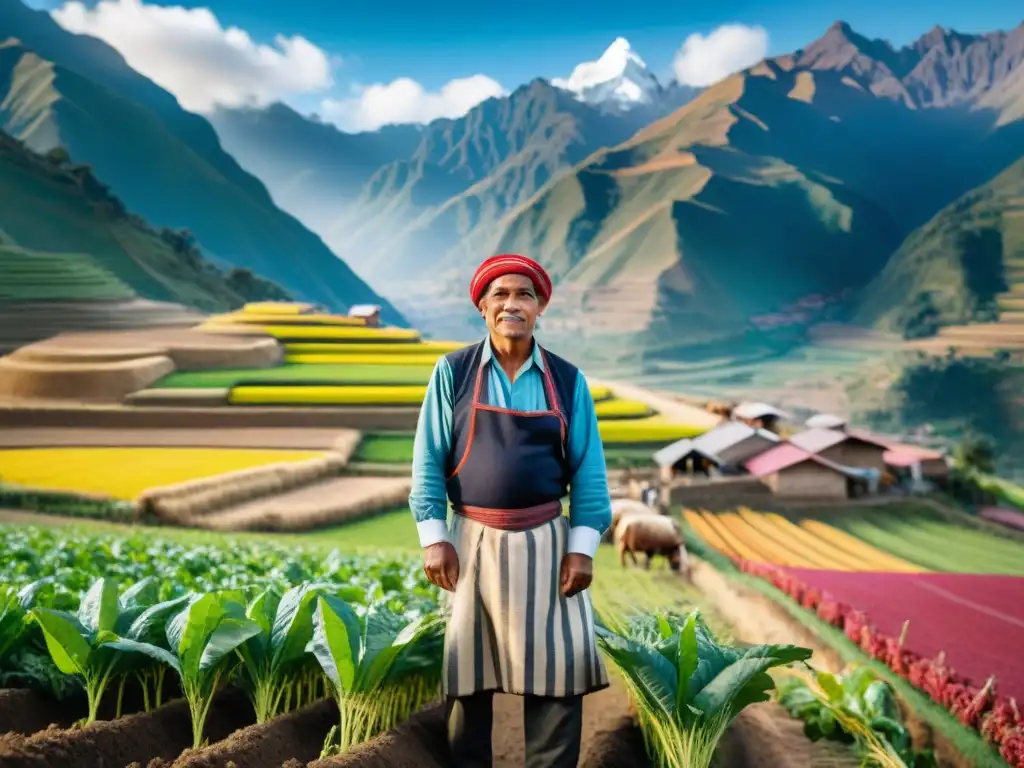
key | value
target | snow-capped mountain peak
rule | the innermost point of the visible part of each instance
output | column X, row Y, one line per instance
column 620, row 78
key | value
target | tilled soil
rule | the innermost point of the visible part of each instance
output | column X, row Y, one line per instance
column 297, row 736
column 162, row 733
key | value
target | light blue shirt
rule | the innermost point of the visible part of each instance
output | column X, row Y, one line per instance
column 590, row 509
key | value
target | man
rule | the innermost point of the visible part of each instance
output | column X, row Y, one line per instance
column 506, row 431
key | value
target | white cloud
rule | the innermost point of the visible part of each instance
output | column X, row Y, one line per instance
column 188, row 52
column 704, row 60
column 406, row 101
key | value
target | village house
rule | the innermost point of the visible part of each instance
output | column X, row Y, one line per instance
column 759, row 415
column 369, row 312
column 725, row 448
column 917, row 465
column 848, row 448
column 793, row 473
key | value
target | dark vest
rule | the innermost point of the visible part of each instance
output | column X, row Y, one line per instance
column 515, row 460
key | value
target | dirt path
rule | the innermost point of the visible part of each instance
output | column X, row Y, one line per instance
column 81, row 437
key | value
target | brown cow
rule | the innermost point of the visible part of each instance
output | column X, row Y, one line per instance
column 654, row 535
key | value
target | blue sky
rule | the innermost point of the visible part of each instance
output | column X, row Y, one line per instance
column 434, row 42
column 513, row 42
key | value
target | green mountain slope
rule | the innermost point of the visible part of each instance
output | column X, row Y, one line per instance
column 965, row 265
column 61, row 208
column 165, row 163
column 312, row 169
column 464, row 176
column 793, row 181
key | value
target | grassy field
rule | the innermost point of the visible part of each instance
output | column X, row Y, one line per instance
column 302, row 374
column 124, row 473
column 396, row 448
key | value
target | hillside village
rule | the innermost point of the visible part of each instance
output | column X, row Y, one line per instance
column 825, row 462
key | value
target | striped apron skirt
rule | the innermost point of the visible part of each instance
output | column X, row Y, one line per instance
column 510, row 628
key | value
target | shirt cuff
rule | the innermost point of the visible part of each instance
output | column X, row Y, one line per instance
column 432, row 532
column 584, row 540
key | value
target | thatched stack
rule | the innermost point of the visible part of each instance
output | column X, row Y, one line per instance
column 330, row 502
column 184, row 503
column 106, row 381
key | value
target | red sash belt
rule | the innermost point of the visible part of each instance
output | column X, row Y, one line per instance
column 513, row 519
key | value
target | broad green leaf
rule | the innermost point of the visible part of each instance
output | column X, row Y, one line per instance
column 65, row 640
column 831, row 686
column 264, row 607
column 686, row 661
column 336, row 640
column 720, row 691
column 228, row 635
column 133, row 647
column 99, row 608
column 189, row 631
column 149, row 626
column 293, row 625
column 140, row 595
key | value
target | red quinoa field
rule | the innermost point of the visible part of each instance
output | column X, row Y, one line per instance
column 978, row 620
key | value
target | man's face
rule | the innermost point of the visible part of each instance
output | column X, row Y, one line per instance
column 511, row 307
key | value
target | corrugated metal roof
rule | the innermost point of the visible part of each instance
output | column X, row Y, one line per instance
column 670, row 454
column 819, row 439
column 825, row 420
column 722, row 436
column 785, row 455
column 757, row 411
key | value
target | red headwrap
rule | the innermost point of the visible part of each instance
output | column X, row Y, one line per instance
column 509, row 264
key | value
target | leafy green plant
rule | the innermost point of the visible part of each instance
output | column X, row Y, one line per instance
column 856, row 708
column 276, row 670
column 686, row 687
column 381, row 667
column 92, row 644
column 204, row 636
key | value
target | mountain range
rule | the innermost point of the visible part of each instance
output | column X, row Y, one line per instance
column 74, row 92
column 670, row 217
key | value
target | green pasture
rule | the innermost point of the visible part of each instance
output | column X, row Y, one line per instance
column 396, row 448
column 298, row 374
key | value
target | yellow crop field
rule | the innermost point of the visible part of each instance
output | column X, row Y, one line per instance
column 124, row 473
column 622, row 409
column 324, row 332
column 364, row 359
column 767, row 537
column 258, row 318
column 653, row 429
column 277, row 307
column 363, row 348
column 327, row 395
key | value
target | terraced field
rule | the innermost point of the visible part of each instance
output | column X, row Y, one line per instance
column 905, row 538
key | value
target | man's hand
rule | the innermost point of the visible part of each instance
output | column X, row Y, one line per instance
column 577, row 573
column 441, row 564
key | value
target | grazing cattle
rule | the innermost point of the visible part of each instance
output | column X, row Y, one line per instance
column 621, row 507
column 654, row 535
